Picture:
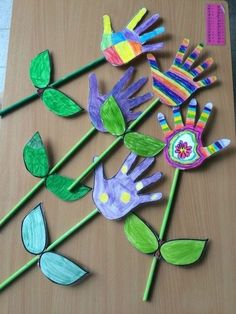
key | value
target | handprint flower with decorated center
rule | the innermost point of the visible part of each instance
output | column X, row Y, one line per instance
column 121, row 194
column 121, row 47
column 184, row 148
column 181, row 81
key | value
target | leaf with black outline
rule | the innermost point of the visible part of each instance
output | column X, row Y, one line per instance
column 140, row 235
column 182, row 252
column 59, row 269
column 35, row 156
column 40, row 70
column 34, row 231
column 59, row 185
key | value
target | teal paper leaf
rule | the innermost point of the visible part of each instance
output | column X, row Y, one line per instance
column 60, row 269
column 140, row 235
column 34, row 231
column 59, row 103
column 143, row 145
column 112, row 117
column 40, row 70
column 35, row 156
column 182, row 251
column 59, row 185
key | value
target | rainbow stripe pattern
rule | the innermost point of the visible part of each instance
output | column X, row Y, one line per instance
column 121, row 47
column 184, row 149
column 179, row 83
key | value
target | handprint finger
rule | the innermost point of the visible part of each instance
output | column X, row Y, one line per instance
column 148, row 36
column 204, row 116
column 149, row 198
column 152, row 62
column 152, row 47
column 207, row 81
column 107, row 29
column 131, row 116
column 164, row 125
column 137, row 101
column 193, row 56
column 93, row 86
column 128, row 163
column 202, row 67
column 146, row 24
column 147, row 182
column 123, row 81
column 136, row 19
column 134, row 88
column 181, row 51
column 191, row 113
column 215, row 147
column 177, row 118
column 141, row 168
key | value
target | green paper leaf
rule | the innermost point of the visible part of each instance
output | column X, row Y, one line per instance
column 34, row 231
column 35, row 157
column 40, row 70
column 182, row 251
column 112, row 117
column 143, row 145
column 59, row 185
column 140, row 235
column 59, row 103
column 59, row 269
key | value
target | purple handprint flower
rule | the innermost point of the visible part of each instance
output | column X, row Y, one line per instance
column 121, row 93
column 121, row 194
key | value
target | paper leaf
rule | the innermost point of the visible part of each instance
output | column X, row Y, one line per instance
column 140, row 235
column 40, row 70
column 112, row 117
column 182, row 251
column 143, row 145
column 59, row 103
column 60, row 269
column 34, row 231
column 35, row 157
column 59, row 185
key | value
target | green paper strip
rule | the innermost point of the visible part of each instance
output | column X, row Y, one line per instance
column 143, row 145
column 35, row 157
column 112, row 117
column 59, row 103
column 140, row 235
column 58, row 185
column 40, row 70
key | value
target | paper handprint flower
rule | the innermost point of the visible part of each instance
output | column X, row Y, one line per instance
column 184, row 148
column 121, row 94
column 176, row 85
column 119, row 195
column 122, row 47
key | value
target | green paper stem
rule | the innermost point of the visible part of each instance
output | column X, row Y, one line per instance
column 112, row 146
column 37, row 186
column 163, row 229
column 52, row 246
column 60, row 81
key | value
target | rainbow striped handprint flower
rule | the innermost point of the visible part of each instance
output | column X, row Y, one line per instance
column 181, row 81
column 184, row 148
column 121, row 47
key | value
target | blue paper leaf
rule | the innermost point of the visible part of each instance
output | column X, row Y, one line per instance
column 34, row 231
column 60, row 269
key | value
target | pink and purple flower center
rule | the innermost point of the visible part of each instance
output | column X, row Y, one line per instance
column 183, row 149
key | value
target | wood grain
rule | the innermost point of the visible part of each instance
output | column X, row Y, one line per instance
column 205, row 206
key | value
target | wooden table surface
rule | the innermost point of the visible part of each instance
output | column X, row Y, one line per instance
column 204, row 207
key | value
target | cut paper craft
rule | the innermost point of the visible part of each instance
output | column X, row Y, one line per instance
column 178, row 252
column 121, row 94
column 121, row 47
column 181, row 81
column 55, row 267
column 56, row 101
column 36, row 162
column 121, row 194
column 58, row 185
column 184, row 148
column 34, row 231
column 35, row 157
column 143, row 145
